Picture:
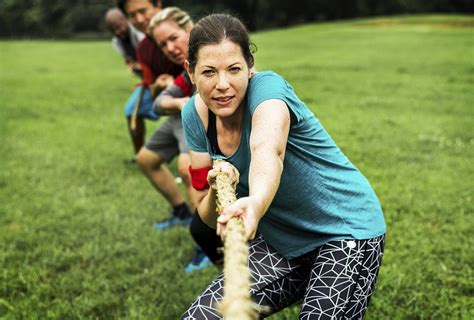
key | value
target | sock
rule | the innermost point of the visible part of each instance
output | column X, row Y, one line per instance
column 181, row 211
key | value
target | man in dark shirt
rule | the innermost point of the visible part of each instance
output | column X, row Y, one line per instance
column 125, row 38
column 158, row 71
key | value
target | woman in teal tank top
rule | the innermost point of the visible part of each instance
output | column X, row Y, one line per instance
column 315, row 225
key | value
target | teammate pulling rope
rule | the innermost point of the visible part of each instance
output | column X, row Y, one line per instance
column 236, row 304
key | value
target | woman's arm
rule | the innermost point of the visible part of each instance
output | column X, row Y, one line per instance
column 271, row 119
column 170, row 104
column 173, row 98
column 206, row 198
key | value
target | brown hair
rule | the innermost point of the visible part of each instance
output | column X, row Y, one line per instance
column 215, row 28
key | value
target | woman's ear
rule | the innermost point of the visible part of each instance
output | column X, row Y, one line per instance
column 251, row 66
column 188, row 70
column 251, row 72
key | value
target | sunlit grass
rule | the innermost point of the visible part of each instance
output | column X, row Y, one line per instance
column 75, row 221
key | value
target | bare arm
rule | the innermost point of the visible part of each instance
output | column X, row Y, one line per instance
column 170, row 100
column 170, row 104
column 271, row 119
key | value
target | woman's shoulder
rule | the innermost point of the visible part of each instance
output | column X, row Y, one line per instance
column 195, row 108
column 265, row 75
column 266, row 85
column 266, row 80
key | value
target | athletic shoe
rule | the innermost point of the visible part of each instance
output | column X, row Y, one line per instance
column 181, row 211
column 198, row 262
column 180, row 216
column 172, row 222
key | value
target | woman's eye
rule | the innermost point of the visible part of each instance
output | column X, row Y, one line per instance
column 208, row 73
column 234, row 69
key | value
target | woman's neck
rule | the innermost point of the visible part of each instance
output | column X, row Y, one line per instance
column 229, row 132
column 233, row 122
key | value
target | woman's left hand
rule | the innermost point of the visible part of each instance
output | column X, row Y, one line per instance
column 246, row 209
column 223, row 168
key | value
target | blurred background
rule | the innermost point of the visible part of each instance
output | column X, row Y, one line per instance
column 84, row 18
column 391, row 80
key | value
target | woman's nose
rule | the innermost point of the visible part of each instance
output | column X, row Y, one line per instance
column 222, row 83
column 170, row 46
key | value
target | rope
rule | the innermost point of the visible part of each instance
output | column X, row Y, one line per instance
column 133, row 120
column 236, row 304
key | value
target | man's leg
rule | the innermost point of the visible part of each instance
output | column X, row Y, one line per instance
column 138, row 134
column 152, row 158
column 141, row 96
column 160, row 176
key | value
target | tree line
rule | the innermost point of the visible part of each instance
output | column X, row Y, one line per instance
column 63, row 19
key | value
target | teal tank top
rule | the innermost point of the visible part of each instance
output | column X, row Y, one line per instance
column 322, row 196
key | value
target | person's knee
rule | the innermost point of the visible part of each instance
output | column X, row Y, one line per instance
column 183, row 170
column 184, row 175
column 147, row 160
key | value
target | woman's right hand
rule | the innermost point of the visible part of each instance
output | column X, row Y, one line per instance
column 245, row 208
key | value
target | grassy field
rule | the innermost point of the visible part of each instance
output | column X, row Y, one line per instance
column 76, row 237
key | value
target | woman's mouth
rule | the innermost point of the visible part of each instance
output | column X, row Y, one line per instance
column 223, row 101
column 178, row 57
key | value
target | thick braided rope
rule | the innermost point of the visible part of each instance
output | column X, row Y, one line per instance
column 236, row 304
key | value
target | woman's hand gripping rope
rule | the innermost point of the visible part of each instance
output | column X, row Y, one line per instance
column 243, row 207
column 236, row 304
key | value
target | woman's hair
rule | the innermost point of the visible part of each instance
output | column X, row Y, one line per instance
column 215, row 28
column 182, row 18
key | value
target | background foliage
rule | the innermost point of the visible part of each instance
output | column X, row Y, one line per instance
column 58, row 18
column 76, row 237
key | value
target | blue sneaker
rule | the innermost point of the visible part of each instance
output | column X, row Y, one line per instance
column 198, row 262
column 172, row 222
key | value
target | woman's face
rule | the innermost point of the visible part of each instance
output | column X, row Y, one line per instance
column 173, row 40
column 221, row 77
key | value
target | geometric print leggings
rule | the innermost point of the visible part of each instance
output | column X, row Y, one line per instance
column 334, row 281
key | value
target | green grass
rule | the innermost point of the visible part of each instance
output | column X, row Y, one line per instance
column 397, row 95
